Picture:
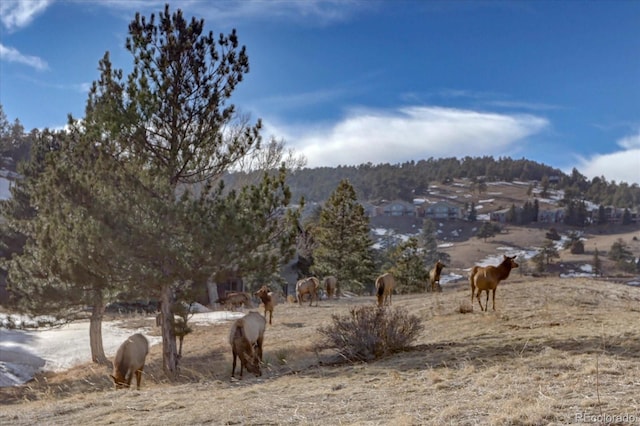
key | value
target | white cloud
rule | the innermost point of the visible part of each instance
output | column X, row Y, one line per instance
column 630, row 142
column 621, row 166
column 315, row 12
column 10, row 54
column 16, row 14
column 409, row 133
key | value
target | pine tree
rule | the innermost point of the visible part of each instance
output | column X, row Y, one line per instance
column 136, row 192
column 512, row 214
column 344, row 246
column 473, row 214
column 486, row 230
column 597, row 263
column 620, row 253
column 549, row 251
column 409, row 268
column 429, row 244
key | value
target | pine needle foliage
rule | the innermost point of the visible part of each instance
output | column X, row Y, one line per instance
column 343, row 246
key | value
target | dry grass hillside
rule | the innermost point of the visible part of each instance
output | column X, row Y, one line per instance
column 554, row 352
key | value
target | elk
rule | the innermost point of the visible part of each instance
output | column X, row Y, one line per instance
column 384, row 288
column 434, row 276
column 246, row 338
column 308, row 286
column 267, row 300
column 129, row 360
column 485, row 278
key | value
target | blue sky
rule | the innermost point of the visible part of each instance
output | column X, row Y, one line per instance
column 350, row 82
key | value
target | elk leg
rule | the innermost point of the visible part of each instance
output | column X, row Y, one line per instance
column 494, row 299
column 138, row 377
column 478, row 294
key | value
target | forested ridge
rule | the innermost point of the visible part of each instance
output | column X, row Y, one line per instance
column 411, row 179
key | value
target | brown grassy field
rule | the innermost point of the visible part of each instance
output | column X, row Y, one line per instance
column 554, row 350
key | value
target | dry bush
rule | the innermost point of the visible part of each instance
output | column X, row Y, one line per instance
column 369, row 332
column 465, row 307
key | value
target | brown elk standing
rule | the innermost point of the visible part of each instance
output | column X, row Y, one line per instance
column 246, row 338
column 434, row 276
column 267, row 300
column 384, row 288
column 331, row 286
column 308, row 286
column 129, row 360
column 485, row 278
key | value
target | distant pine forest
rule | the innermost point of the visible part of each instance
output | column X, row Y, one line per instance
column 409, row 180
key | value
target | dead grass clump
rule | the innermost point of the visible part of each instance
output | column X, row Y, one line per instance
column 465, row 307
column 370, row 332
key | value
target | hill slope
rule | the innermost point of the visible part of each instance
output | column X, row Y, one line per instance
column 555, row 349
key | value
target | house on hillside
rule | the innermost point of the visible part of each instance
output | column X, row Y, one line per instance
column 398, row 208
column 500, row 216
column 551, row 216
column 369, row 209
column 443, row 211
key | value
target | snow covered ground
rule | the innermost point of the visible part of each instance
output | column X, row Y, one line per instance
column 5, row 194
column 23, row 353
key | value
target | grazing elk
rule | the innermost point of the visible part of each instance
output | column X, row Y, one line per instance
column 485, row 278
column 246, row 338
column 234, row 299
column 129, row 360
column 434, row 276
column 308, row 286
column 384, row 288
column 331, row 286
column 267, row 300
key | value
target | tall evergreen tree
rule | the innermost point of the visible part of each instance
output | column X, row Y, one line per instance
column 597, row 263
column 344, row 245
column 409, row 268
column 429, row 245
column 132, row 165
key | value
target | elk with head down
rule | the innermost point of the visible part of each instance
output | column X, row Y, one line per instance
column 246, row 338
column 267, row 300
column 331, row 286
column 308, row 286
column 434, row 276
column 485, row 278
column 129, row 361
column 234, row 299
column 384, row 288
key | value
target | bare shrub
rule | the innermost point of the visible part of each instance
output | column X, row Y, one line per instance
column 369, row 332
column 465, row 307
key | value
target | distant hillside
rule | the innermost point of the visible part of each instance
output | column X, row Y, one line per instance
column 409, row 180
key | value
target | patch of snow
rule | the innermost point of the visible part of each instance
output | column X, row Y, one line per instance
column 23, row 353
column 586, row 268
column 5, row 184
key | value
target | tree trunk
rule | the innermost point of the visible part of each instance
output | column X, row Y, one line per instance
column 95, row 331
column 169, row 349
